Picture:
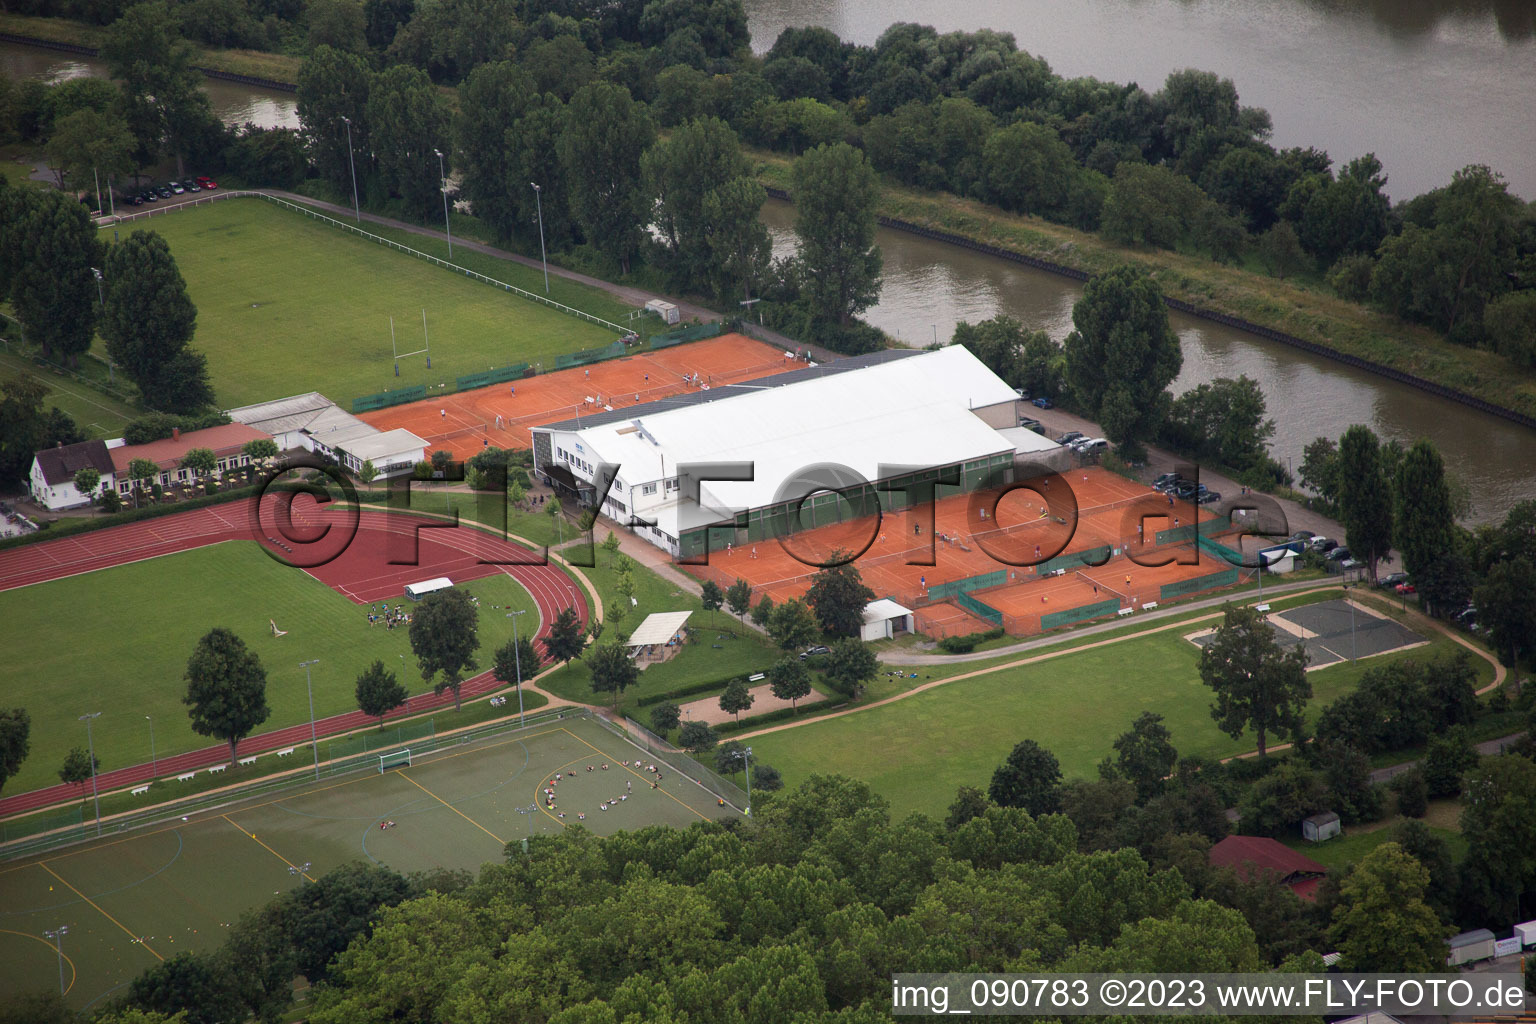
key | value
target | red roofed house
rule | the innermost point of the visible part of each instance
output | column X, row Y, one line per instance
column 226, row 442
column 1256, row 857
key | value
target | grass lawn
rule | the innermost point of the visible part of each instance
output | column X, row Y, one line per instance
column 91, row 643
column 1443, row 819
column 918, row 751
column 287, row 305
column 98, row 415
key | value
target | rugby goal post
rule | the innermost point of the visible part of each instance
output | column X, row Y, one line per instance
column 398, row 759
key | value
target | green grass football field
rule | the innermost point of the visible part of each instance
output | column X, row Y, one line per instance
column 918, row 751
column 117, row 641
column 287, row 304
column 132, row 899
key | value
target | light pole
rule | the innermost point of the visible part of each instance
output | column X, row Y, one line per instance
column 1351, row 622
column 308, row 685
column 91, row 746
column 352, row 163
column 97, row 178
column 154, row 766
column 100, row 295
column 517, row 659
column 57, row 935
column 746, row 761
column 538, row 198
column 443, row 177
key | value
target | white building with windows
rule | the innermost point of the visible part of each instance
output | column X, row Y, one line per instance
column 877, row 429
column 311, row 422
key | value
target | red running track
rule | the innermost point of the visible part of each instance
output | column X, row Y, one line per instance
column 366, row 557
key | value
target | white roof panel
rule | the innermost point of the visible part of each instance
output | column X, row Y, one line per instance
column 885, row 608
column 658, row 628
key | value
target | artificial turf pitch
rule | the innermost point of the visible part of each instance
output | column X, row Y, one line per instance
column 287, row 304
column 117, row 641
column 129, row 901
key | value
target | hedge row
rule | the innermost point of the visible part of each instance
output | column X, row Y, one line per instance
column 781, row 715
column 967, row 643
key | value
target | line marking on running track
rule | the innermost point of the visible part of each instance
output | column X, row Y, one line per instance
column 452, row 808
column 264, row 846
column 103, row 913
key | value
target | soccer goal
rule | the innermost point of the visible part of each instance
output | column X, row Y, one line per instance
column 398, row 759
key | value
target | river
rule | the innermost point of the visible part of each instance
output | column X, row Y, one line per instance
column 233, row 102
column 930, row 286
column 1429, row 86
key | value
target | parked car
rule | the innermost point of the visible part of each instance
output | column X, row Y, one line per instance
column 1029, row 423
column 1209, row 498
column 1406, row 588
column 1091, row 446
column 1350, row 564
column 137, row 200
column 1337, row 553
column 176, row 187
column 1305, row 535
column 1164, row 479
column 1323, row 544
column 810, row 652
column 208, row 183
column 192, row 186
column 164, row 192
column 1070, row 436
column 1041, row 403
column 1391, row 580
column 1186, row 490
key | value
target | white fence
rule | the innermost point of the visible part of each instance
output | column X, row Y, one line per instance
column 306, row 211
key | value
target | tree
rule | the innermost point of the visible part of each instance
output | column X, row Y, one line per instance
column 730, row 758
column 52, row 287
column 88, row 146
column 789, row 679
column 1365, row 497
column 711, row 597
column 1257, row 685
column 1320, row 469
column 444, row 640
column 613, row 670
column 163, row 99
column 78, row 767
column 738, row 240
column 226, row 688
column 15, row 741
column 148, row 320
column 1506, row 603
column 1499, row 821
column 333, row 88
column 1447, row 759
column 766, row 778
column 336, row 23
column 379, row 692
column 367, row 472
column 1028, row 169
column 565, row 639
column 516, row 660
column 197, row 984
column 1222, row 420
column 681, row 172
column 738, row 597
column 792, row 625
column 835, row 192
column 1280, row 250
column 736, row 698
column 1423, row 524
column 1412, row 792
column 850, row 665
column 762, row 612
column 1511, row 323
column 1381, row 922
column 407, row 124
column 696, row 737
column 1150, row 205
column 87, row 479
column 1347, row 215
column 1030, row 778
column 140, row 471
column 664, row 718
column 199, row 462
column 605, row 135
column 838, row 595
column 998, row 343
column 1146, row 755
column 259, row 449
column 1122, row 355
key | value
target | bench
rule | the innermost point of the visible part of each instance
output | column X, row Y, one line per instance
column 217, row 768
column 1261, row 607
column 185, row 778
column 757, row 676
column 248, row 760
column 285, row 753
column 1149, row 606
column 1123, row 612
column 139, row 790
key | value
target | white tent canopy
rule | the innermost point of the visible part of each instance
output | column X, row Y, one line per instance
column 658, row 628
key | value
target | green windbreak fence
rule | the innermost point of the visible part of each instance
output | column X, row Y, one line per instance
column 361, row 743
column 975, row 607
column 1225, row 578
column 944, row 591
column 1071, row 615
column 1180, row 534
column 694, row 332
column 485, row 378
column 1075, row 560
column 1226, row 554
column 384, row 399
column 587, row 356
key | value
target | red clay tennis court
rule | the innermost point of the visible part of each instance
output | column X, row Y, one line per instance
column 500, row 415
column 1003, row 546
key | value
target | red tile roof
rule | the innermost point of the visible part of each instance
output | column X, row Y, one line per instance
column 167, row 453
column 1249, row 855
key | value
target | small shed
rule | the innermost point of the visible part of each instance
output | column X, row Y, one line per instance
column 1470, row 946
column 1320, row 827
column 1526, row 933
column 417, row 591
column 657, row 638
column 885, row 618
column 666, row 310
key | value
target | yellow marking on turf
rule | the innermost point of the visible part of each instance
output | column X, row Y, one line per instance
column 73, row 974
column 452, row 808
column 264, row 846
column 103, row 913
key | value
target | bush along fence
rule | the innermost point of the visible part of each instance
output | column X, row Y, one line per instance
column 1237, row 323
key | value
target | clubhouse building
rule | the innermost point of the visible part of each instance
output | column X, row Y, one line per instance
column 52, row 480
